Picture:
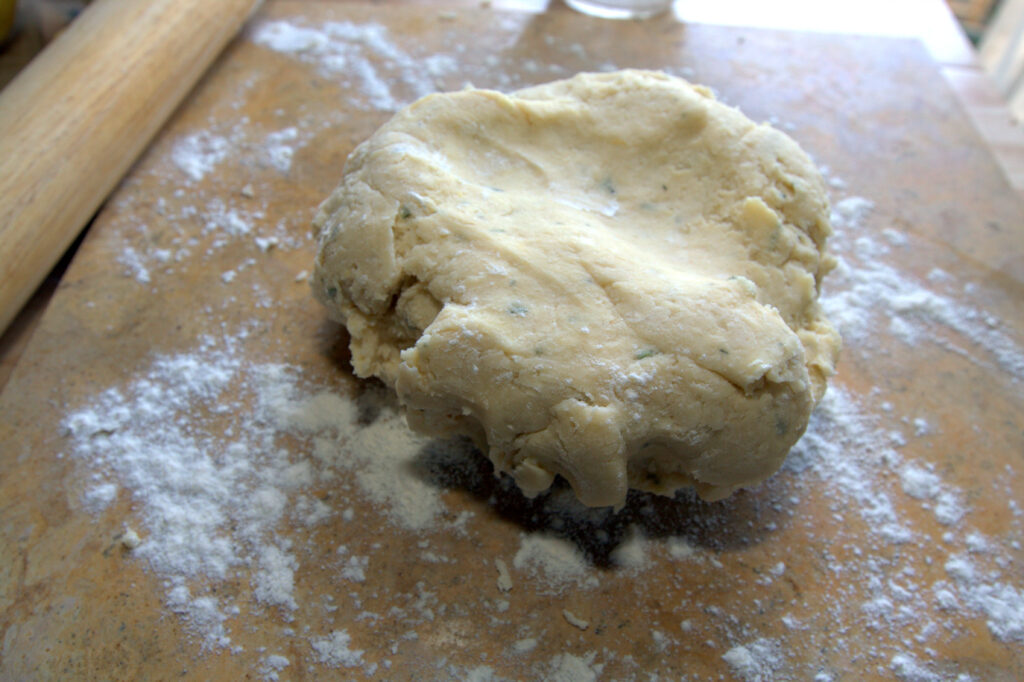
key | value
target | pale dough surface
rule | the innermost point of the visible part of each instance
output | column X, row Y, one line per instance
column 611, row 278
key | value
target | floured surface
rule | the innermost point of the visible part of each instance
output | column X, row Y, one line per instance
column 183, row 388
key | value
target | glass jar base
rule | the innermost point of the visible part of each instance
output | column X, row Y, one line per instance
column 620, row 9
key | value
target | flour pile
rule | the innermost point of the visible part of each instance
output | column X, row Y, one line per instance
column 214, row 502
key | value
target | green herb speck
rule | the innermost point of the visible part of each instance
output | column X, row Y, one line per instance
column 404, row 212
column 608, row 186
column 781, row 427
column 332, row 292
column 516, row 308
column 646, row 353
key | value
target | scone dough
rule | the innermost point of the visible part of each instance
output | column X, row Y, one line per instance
column 611, row 278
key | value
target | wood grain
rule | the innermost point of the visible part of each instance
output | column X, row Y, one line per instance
column 74, row 121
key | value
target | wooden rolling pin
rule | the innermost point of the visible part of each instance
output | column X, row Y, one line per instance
column 81, row 112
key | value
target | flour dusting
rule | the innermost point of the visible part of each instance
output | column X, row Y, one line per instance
column 198, row 154
column 134, row 264
column 867, row 292
column 334, row 650
column 361, row 55
column 554, row 560
column 157, row 437
column 280, row 148
column 754, row 662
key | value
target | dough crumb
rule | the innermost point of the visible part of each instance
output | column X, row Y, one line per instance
column 504, row 577
column 575, row 620
column 129, row 538
column 525, row 646
column 266, row 243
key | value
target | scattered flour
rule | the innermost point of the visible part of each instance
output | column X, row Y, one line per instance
column 384, row 76
column 187, row 479
column 362, row 55
column 272, row 665
column 920, row 483
column 98, row 497
column 679, row 548
column 865, row 291
column 906, row 669
column 1002, row 604
column 481, row 673
column 841, row 445
column 923, row 484
column 922, row 427
column 354, row 568
column 632, row 551
column 227, row 217
column 334, row 650
column 754, row 662
column 274, row 578
column 198, row 154
column 948, row 508
column 134, row 264
column 230, row 221
column 569, row 668
column 280, row 148
column 556, row 561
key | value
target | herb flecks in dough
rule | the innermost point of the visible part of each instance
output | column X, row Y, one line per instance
column 667, row 254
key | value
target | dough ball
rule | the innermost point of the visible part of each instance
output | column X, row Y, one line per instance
column 611, row 278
